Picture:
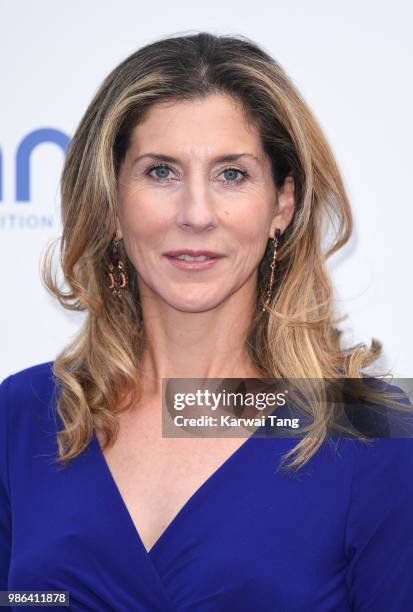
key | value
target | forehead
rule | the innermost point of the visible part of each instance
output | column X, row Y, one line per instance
column 197, row 127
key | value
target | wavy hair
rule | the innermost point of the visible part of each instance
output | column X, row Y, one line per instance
column 104, row 358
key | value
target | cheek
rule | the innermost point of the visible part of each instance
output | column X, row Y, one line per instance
column 142, row 219
column 250, row 222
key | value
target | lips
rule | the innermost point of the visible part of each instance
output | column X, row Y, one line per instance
column 192, row 253
column 197, row 261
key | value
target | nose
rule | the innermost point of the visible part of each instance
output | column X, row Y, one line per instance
column 196, row 207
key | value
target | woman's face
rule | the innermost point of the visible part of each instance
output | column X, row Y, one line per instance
column 196, row 201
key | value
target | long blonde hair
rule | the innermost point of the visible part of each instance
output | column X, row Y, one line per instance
column 104, row 358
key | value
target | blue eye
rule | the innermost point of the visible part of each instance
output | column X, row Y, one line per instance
column 162, row 167
column 234, row 171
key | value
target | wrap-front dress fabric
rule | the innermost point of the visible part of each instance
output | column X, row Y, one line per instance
column 335, row 538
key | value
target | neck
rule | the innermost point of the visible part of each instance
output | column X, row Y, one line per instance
column 209, row 344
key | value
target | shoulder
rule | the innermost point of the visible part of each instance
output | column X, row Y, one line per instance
column 27, row 374
column 381, row 492
column 22, row 394
column 30, row 379
column 387, row 456
column 25, row 394
column 376, row 420
column 385, row 461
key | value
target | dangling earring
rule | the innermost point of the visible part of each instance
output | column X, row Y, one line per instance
column 116, row 276
column 276, row 241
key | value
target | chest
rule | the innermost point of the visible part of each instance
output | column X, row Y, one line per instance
column 156, row 476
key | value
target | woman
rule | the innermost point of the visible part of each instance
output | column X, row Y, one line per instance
column 198, row 145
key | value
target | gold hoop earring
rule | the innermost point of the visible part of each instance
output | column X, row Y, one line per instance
column 276, row 241
column 116, row 276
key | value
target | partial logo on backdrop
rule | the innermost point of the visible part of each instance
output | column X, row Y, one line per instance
column 22, row 214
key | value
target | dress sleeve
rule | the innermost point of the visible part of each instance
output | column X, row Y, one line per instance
column 379, row 531
column 5, row 511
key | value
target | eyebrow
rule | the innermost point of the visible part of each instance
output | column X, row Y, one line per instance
column 220, row 158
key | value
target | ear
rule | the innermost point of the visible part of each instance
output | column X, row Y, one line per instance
column 285, row 206
column 119, row 233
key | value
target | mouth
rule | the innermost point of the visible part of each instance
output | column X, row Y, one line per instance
column 193, row 260
column 190, row 255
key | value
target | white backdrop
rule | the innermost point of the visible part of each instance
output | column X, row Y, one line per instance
column 352, row 62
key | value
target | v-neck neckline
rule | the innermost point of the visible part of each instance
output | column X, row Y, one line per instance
column 189, row 502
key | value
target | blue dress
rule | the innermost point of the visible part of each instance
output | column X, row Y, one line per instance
column 338, row 538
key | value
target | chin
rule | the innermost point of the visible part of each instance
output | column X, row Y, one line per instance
column 200, row 304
